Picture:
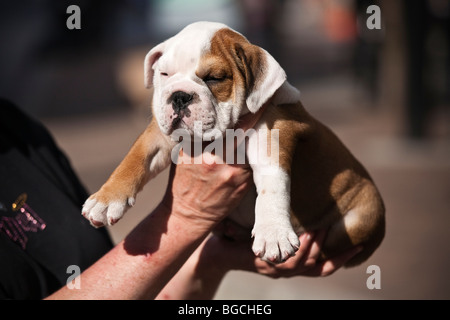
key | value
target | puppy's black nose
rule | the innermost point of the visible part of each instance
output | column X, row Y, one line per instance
column 180, row 100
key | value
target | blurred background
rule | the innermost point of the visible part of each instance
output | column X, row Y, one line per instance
column 385, row 92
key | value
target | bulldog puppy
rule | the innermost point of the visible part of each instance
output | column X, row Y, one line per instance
column 205, row 78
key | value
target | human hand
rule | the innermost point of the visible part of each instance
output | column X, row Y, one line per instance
column 237, row 255
column 206, row 193
column 306, row 260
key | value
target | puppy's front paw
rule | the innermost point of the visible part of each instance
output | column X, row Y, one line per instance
column 274, row 243
column 102, row 208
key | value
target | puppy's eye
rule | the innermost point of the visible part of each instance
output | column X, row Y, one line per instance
column 211, row 79
column 164, row 74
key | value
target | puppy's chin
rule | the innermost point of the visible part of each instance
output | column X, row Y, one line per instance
column 197, row 132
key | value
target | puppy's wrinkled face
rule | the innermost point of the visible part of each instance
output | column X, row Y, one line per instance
column 208, row 74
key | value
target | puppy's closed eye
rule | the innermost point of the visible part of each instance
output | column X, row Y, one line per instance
column 212, row 79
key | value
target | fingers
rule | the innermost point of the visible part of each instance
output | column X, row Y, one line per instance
column 329, row 266
column 305, row 263
column 326, row 267
column 315, row 248
column 306, row 240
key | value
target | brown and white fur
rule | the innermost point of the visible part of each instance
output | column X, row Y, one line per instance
column 212, row 74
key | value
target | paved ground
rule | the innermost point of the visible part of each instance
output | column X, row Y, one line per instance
column 413, row 177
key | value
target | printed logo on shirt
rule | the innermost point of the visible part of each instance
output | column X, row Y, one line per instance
column 24, row 221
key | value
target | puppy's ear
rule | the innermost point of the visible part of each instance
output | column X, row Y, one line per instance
column 263, row 74
column 149, row 62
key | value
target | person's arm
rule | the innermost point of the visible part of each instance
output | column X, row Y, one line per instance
column 139, row 266
column 197, row 198
column 198, row 279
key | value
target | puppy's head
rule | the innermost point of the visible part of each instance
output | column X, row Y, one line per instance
column 211, row 74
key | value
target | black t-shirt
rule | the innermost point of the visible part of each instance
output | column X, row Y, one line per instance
column 42, row 231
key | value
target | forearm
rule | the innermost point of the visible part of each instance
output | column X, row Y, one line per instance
column 197, row 198
column 141, row 265
column 200, row 276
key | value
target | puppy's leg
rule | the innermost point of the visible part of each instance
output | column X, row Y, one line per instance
column 274, row 237
column 363, row 224
column 148, row 156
